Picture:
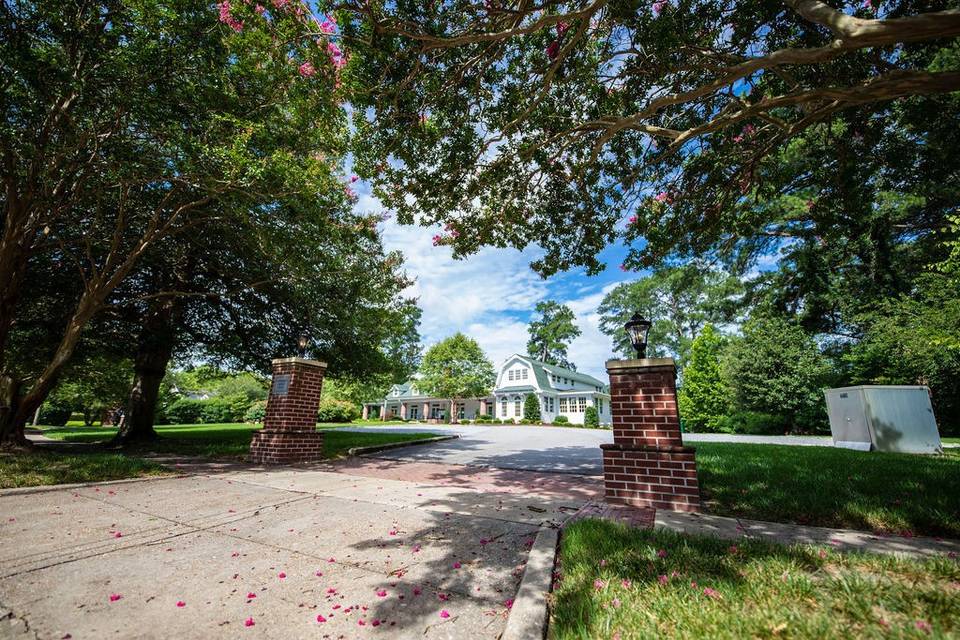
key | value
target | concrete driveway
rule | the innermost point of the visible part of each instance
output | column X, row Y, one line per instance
column 334, row 550
column 545, row 449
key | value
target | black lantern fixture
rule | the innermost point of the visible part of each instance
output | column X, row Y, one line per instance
column 637, row 328
column 302, row 343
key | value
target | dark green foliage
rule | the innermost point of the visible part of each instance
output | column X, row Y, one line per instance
column 551, row 333
column 591, row 418
column 776, row 368
column 679, row 300
column 752, row 422
column 561, row 420
column 54, row 414
column 531, row 408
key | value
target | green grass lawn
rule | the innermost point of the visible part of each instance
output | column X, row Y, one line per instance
column 621, row 583
column 823, row 486
column 226, row 440
column 193, row 440
column 42, row 468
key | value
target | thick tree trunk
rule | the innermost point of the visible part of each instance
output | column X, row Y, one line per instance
column 9, row 407
column 154, row 350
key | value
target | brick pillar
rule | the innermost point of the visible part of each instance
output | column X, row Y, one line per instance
column 289, row 432
column 647, row 464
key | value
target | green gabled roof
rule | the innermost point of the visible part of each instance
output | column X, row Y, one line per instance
column 524, row 388
column 404, row 390
column 542, row 368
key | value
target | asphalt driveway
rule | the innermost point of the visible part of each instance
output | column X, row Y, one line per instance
column 545, row 449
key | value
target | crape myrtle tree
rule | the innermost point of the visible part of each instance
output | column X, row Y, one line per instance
column 573, row 124
column 125, row 123
column 243, row 294
column 456, row 368
column 551, row 333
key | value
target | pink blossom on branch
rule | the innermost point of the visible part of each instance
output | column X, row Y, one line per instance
column 307, row 69
column 553, row 49
column 658, row 7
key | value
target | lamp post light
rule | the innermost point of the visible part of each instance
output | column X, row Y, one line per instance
column 637, row 328
column 302, row 343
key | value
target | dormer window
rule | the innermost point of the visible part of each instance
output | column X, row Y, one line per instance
column 523, row 374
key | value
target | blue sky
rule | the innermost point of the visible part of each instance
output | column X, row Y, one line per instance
column 491, row 295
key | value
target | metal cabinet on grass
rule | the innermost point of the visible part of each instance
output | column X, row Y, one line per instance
column 883, row 418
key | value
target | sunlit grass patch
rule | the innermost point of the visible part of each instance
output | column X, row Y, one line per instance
column 828, row 487
column 615, row 581
column 45, row 468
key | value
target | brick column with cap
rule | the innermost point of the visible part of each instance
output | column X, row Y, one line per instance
column 289, row 432
column 647, row 464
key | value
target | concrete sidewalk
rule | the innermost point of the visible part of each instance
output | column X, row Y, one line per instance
column 290, row 552
column 791, row 534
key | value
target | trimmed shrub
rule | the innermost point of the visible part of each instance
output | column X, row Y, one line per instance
column 561, row 420
column 184, row 411
column 337, row 411
column 54, row 415
column 256, row 412
column 591, row 419
column 531, row 408
column 754, row 423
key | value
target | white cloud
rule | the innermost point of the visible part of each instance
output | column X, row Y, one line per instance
column 489, row 296
column 592, row 348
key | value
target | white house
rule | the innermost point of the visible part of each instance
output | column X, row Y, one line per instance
column 560, row 392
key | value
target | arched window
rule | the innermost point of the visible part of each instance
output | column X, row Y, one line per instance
column 517, row 408
column 503, row 406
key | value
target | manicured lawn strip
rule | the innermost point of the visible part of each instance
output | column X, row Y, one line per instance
column 228, row 440
column 823, row 486
column 43, row 468
column 628, row 583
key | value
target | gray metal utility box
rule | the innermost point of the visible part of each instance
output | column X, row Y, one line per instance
column 883, row 418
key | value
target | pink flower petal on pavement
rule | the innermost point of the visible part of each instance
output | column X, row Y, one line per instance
column 444, row 614
column 382, row 593
column 114, row 597
column 118, row 535
column 321, row 619
column 281, row 575
column 248, row 622
column 456, row 565
column 417, row 591
column 181, row 603
column 443, row 597
column 251, row 595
